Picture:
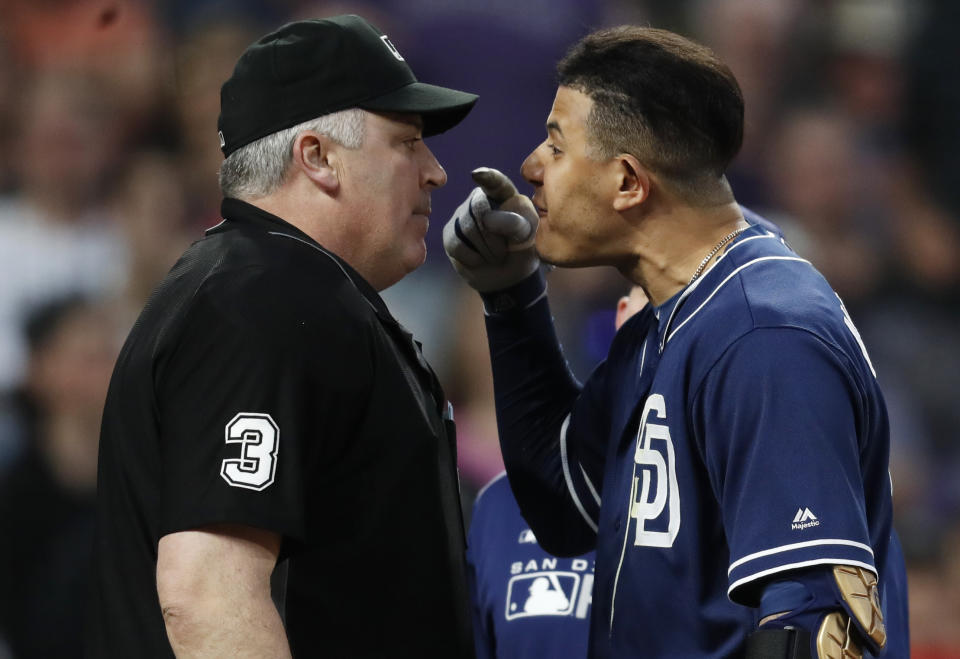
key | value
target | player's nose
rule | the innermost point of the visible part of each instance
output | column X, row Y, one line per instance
column 532, row 169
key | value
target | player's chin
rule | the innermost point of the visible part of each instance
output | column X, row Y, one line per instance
column 563, row 254
column 552, row 248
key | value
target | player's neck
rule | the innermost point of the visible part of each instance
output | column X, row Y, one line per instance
column 672, row 243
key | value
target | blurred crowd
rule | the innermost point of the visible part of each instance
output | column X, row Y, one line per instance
column 108, row 169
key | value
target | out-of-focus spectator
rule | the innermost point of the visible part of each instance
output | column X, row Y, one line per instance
column 823, row 216
column 151, row 207
column 755, row 39
column 46, row 496
column 913, row 332
column 204, row 59
column 866, row 40
column 935, row 602
column 116, row 41
column 56, row 234
column 9, row 86
column 932, row 102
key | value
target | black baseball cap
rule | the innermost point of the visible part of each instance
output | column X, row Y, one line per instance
column 314, row 67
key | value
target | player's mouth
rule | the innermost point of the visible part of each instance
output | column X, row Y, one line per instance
column 541, row 210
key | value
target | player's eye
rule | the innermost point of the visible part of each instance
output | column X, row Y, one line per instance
column 554, row 150
column 412, row 142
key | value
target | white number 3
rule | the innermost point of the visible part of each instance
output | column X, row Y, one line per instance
column 258, row 437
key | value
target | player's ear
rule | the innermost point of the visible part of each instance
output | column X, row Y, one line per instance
column 315, row 155
column 633, row 180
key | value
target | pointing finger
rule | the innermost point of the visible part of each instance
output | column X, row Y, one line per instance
column 496, row 185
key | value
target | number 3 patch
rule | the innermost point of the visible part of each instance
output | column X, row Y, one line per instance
column 259, row 439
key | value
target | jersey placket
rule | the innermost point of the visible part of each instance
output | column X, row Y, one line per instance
column 619, row 523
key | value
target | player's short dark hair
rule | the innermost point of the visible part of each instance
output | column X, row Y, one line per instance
column 666, row 100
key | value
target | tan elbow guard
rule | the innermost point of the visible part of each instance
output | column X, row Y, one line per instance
column 839, row 634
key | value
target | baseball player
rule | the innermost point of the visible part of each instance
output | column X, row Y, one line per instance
column 526, row 602
column 268, row 419
column 728, row 461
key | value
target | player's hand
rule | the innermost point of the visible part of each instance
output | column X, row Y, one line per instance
column 490, row 238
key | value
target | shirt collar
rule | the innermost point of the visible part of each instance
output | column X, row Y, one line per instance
column 240, row 214
column 670, row 313
column 663, row 313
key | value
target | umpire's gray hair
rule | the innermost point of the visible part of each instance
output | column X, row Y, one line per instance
column 258, row 168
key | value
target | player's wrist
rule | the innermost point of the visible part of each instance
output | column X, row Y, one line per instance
column 838, row 606
column 516, row 297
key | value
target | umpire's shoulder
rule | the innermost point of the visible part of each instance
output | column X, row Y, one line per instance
column 287, row 272
column 281, row 291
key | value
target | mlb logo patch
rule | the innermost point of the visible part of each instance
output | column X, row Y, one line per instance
column 527, row 537
column 542, row 594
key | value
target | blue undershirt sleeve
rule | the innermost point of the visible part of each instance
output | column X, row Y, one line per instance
column 539, row 409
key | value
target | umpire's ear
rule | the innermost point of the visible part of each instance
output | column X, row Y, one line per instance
column 312, row 156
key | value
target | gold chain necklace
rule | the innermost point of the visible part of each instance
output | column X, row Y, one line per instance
column 703, row 264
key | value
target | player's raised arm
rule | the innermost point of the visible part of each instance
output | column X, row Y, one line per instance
column 556, row 478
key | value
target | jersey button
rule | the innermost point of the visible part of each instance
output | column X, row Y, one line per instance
column 616, row 525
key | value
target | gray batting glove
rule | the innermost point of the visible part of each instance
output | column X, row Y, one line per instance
column 490, row 238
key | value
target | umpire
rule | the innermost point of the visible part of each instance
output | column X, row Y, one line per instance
column 277, row 466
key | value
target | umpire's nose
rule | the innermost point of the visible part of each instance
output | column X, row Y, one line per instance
column 432, row 172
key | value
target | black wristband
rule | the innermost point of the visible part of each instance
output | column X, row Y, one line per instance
column 778, row 644
column 519, row 296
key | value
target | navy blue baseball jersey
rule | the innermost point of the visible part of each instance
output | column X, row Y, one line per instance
column 735, row 434
column 526, row 603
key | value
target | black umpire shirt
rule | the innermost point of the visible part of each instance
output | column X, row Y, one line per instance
column 266, row 383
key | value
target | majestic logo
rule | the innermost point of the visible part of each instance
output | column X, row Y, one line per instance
column 393, row 49
column 258, row 436
column 804, row 519
column 527, row 537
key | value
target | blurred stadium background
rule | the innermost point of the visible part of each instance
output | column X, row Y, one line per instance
column 108, row 168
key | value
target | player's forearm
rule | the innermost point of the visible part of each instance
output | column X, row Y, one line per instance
column 533, row 386
column 226, row 628
column 535, row 391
